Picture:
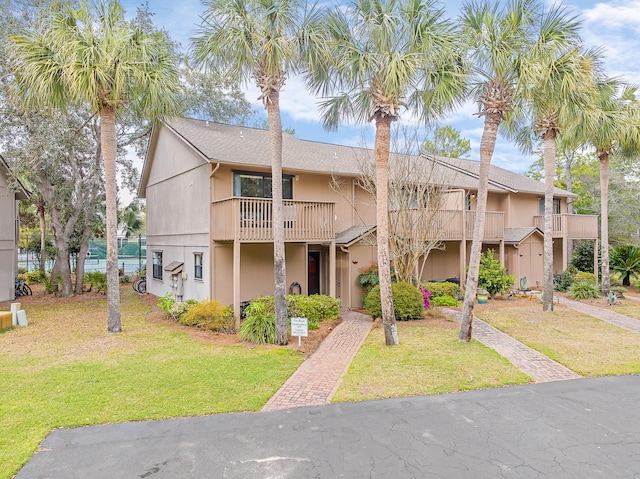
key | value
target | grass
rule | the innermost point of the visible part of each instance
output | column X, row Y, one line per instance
column 65, row 370
column 587, row 345
column 629, row 308
column 429, row 360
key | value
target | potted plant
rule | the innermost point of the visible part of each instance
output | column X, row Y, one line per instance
column 482, row 295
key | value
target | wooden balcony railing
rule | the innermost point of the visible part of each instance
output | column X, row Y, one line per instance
column 250, row 219
column 493, row 225
column 571, row 226
column 446, row 225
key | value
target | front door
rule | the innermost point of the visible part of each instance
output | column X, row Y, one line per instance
column 314, row 272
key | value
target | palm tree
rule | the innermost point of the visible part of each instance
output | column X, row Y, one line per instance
column 266, row 40
column 626, row 261
column 562, row 81
column 131, row 218
column 384, row 55
column 613, row 128
column 92, row 55
column 498, row 40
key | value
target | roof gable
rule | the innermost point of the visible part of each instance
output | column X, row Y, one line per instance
column 22, row 193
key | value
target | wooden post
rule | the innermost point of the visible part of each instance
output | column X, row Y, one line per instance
column 595, row 259
column 332, row 269
column 236, row 282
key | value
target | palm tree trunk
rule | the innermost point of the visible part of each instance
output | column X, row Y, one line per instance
column 604, row 221
column 568, row 161
column 549, row 154
column 487, row 145
column 108, row 141
column 381, row 149
column 279, row 266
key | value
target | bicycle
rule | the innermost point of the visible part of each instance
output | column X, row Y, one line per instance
column 22, row 288
column 140, row 285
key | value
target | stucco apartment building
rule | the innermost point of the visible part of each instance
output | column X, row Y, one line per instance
column 208, row 186
column 10, row 192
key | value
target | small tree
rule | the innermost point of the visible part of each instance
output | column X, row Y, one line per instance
column 626, row 261
column 492, row 276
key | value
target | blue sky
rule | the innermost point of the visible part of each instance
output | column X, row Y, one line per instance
column 613, row 25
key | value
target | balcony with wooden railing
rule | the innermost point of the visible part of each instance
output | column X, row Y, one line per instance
column 251, row 220
column 571, row 226
column 446, row 225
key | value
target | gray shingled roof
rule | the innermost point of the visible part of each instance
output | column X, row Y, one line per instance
column 21, row 193
column 350, row 235
column 239, row 145
column 518, row 235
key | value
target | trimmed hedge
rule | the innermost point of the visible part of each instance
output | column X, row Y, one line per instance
column 407, row 302
column 442, row 289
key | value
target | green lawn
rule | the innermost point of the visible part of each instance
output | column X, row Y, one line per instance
column 627, row 307
column 65, row 370
column 586, row 345
column 429, row 360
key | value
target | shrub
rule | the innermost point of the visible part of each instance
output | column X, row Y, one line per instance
column 444, row 300
column 35, row 277
column 407, row 301
column 179, row 309
column 315, row 308
column 442, row 289
column 426, row 298
column 260, row 325
column 166, row 302
column 51, row 287
column 582, row 257
column 563, row 281
column 619, row 291
column 97, row 281
column 583, row 277
column 584, row 290
column 209, row 315
column 125, row 278
column 368, row 278
column 492, row 276
column 22, row 270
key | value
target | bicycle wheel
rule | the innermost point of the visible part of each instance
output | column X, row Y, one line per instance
column 142, row 287
column 135, row 285
column 26, row 290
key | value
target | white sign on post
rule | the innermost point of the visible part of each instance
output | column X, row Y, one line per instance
column 299, row 327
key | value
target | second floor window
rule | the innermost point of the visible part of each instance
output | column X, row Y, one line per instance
column 197, row 269
column 258, row 185
column 556, row 206
column 157, row 264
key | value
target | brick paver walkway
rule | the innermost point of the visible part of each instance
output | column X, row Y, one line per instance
column 535, row 364
column 607, row 315
column 316, row 380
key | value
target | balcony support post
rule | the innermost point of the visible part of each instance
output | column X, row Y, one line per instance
column 501, row 250
column 595, row 259
column 236, row 283
column 463, row 262
column 332, row 269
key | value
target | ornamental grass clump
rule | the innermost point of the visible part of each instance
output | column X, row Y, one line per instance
column 260, row 323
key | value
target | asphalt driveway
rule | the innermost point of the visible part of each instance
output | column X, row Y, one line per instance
column 583, row 428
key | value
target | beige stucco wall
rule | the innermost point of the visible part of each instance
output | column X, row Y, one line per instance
column 177, row 213
column 443, row 264
column 8, row 252
column 256, row 269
